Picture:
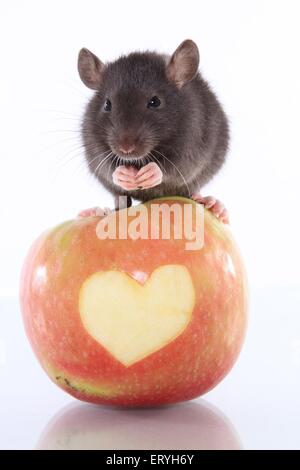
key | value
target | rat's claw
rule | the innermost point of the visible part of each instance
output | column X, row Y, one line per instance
column 125, row 177
column 149, row 176
column 94, row 212
column 214, row 205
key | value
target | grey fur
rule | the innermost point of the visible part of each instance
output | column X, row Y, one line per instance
column 190, row 128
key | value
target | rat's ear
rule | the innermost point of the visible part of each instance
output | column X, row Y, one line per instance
column 90, row 69
column 184, row 63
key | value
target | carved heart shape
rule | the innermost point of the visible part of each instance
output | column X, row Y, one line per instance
column 131, row 320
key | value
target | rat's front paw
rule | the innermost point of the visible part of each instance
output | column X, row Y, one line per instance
column 125, row 177
column 214, row 205
column 94, row 212
column 149, row 176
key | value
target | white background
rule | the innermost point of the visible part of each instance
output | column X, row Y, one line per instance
column 250, row 55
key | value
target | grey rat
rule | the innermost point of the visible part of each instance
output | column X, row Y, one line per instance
column 153, row 127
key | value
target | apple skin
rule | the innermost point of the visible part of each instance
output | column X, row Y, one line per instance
column 185, row 368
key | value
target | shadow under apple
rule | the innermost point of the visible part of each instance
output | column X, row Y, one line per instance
column 194, row 425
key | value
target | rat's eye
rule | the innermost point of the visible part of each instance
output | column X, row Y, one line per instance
column 154, row 102
column 107, row 106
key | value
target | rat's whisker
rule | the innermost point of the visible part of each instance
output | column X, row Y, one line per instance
column 79, row 162
column 77, row 154
column 53, row 145
column 158, row 162
column 102, row 163
column 177, row 169
column 111, row 163
column 98, row 164
column 99, row 155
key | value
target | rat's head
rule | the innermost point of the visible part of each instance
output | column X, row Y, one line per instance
column 138, row 100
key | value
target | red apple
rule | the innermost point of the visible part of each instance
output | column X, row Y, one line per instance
column 135, row 322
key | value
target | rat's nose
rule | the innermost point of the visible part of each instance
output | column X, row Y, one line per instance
column 127, row 146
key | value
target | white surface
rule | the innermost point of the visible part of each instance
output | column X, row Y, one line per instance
column 257, row 406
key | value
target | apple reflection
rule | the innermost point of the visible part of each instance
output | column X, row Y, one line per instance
column 195, row 425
